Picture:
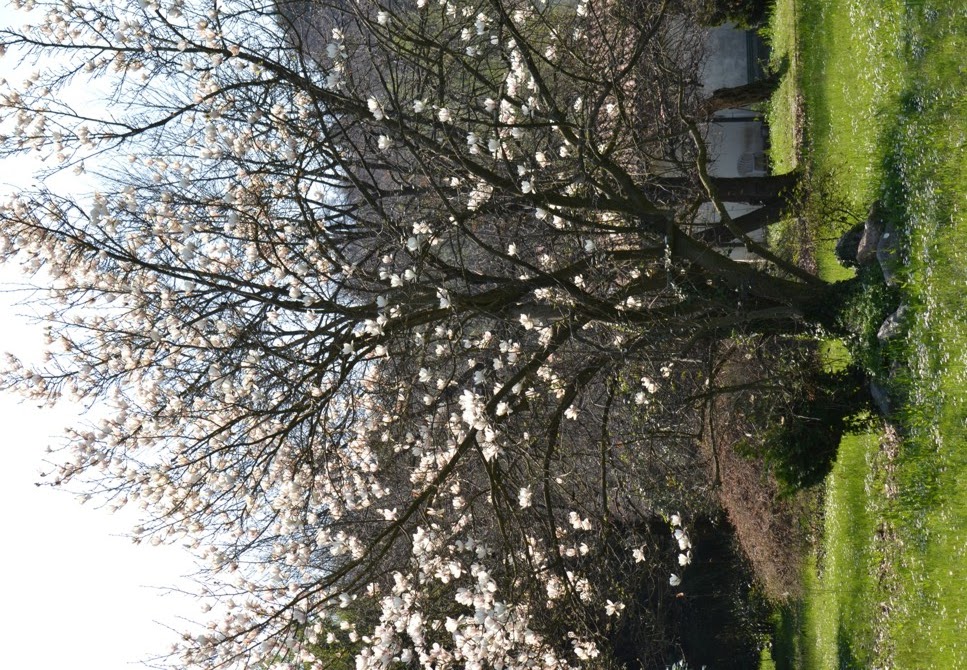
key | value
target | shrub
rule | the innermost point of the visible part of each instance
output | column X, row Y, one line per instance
column 802, row 448
column 746, row 14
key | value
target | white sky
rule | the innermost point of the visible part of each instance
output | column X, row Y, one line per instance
column 76, row 594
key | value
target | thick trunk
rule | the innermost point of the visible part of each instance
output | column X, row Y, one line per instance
column 813, row 302
column 738, row 97
column 718, row 234
column 769, row 190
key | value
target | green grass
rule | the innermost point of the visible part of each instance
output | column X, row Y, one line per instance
column 841, row 605
column 784, row 119
column 851, row 75
column 883, row 88
column 783, row 110
column 785, row 115
column 926, row 185
column 765, row 661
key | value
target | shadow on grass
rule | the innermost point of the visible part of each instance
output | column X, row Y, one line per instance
column 788, row 622
column 847, row 658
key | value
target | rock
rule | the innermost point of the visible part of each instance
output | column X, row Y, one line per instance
column 848, row 244
column 892, row 325
column 888, row 255
column 872, row 231
column 880, row 398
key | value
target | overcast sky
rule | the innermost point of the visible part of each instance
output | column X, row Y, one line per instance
column 77, row 594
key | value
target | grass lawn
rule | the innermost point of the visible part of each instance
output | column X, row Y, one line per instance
column 840, row 630
column 926, row 186
column 883, row 89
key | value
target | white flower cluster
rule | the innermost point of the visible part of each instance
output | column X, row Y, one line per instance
column 494, row 633
column 314, row 393
column 684, row 545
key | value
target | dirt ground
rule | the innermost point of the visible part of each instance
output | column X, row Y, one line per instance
column 772, row 529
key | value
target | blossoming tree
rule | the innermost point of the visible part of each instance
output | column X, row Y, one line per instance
column 383, row 301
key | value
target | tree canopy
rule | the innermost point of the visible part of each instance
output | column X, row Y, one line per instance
column 398, row 309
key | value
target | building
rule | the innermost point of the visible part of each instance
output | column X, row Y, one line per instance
column 737, row 138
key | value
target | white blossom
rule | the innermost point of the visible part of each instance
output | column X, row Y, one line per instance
column 614, row 608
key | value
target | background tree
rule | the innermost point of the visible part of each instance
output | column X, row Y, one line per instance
column 395, row 305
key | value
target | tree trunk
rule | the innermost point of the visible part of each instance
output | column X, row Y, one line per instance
column 738, row 97
column 769, row 190
column 815, row 302
column 718, row 234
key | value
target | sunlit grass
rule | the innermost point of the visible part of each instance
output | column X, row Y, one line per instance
column 851, row 75
column 765, row 661
column 883, row 87
column 784, row 119
column 783, row 113
column 841, row 599
column 928, row 183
